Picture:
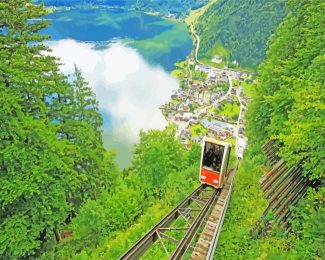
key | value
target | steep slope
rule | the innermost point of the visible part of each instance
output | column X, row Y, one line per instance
column 178, row 8
column 288, row 105
column 240, row 26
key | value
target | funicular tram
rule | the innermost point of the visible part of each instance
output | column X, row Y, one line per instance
column 214, row 161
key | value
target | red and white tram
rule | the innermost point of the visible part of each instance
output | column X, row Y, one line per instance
column 214, row 161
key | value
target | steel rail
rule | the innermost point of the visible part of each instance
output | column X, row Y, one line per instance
column 142, row 245
column 186, row 241
column 214, row 243
column 207, row 243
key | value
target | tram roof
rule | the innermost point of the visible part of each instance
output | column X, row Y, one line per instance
column 215, row 141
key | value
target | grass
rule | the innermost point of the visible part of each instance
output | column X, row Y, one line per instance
column 217, row 49
column 198, row 130
column 246, row 206
column 229, row 110
column 249, row 88
column 181, row 71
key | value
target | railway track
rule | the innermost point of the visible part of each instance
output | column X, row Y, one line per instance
column 201, row 215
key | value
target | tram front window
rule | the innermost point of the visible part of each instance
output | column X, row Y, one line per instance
column 212, row 158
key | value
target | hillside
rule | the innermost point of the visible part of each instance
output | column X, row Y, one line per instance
column 242, row 27
column 179, row 8
column 62, row 195
column 288, row 105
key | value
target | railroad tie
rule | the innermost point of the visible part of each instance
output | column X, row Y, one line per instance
column 202, row 247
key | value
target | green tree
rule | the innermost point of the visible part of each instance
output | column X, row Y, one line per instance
column 242, row 27
column 157, row 155
column 51, row 149
column 85, row 130
column 289, row 104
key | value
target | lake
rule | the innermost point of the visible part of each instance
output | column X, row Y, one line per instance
column 127, row 58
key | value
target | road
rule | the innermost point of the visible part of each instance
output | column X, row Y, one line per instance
column 239, row 140
column 198, row 41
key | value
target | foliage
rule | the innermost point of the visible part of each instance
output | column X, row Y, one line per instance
column 156, row 156
column 228, row 109
column 246, row 206
column 164, row 7
column 198, row 130
column 122, row 216
column 199, row 75
column 176, row 187
column 308, row 225
column 51, row 153
column 109, row 213
column 242, row 27
column 289, row 103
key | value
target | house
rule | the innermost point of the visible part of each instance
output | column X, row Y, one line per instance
column 241, row 131
column 202, row 68
column 193, row 121
column 224, row 79
column 178, row 117
column 217, row 59
column 229, row 99
column 187, row 116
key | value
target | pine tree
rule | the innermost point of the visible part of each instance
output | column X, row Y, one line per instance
column 48, row 129
column 94, row 161
column 289, row 105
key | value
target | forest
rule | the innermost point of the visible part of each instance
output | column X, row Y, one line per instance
column 178, row 8
column 242, row 27
column 287, row 106
column 59, row 184
column 63, row 197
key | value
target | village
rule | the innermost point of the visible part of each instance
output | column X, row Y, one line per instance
column 212, row 106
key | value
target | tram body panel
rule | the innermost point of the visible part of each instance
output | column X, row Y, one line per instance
column 210, row 177
column 214, row 161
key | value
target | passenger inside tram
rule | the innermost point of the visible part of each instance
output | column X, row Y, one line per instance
column 212, row 158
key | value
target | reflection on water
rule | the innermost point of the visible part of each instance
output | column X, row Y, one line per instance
column 124, row 56
column 160, row 41
column 128, row 88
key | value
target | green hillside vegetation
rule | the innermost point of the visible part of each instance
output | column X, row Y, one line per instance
column 179, row 8
column 198, row 130
column 229, row 109
column 62, row 195
column 162, row 7
column 242, row 27
column 52, row 157
column 217, row 49
column 288, row 105
column 110, row 224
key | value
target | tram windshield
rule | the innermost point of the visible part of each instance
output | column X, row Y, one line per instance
column 212, row 156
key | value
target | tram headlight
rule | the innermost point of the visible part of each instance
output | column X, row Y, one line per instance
column 215, row 181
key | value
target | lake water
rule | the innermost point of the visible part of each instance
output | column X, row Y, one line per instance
column 126, row 57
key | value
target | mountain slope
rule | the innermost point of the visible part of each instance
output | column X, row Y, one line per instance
column 178, row 8
column 289, row 105
column 240, row 26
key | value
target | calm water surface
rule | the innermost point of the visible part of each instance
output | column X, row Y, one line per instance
column 127, row 57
